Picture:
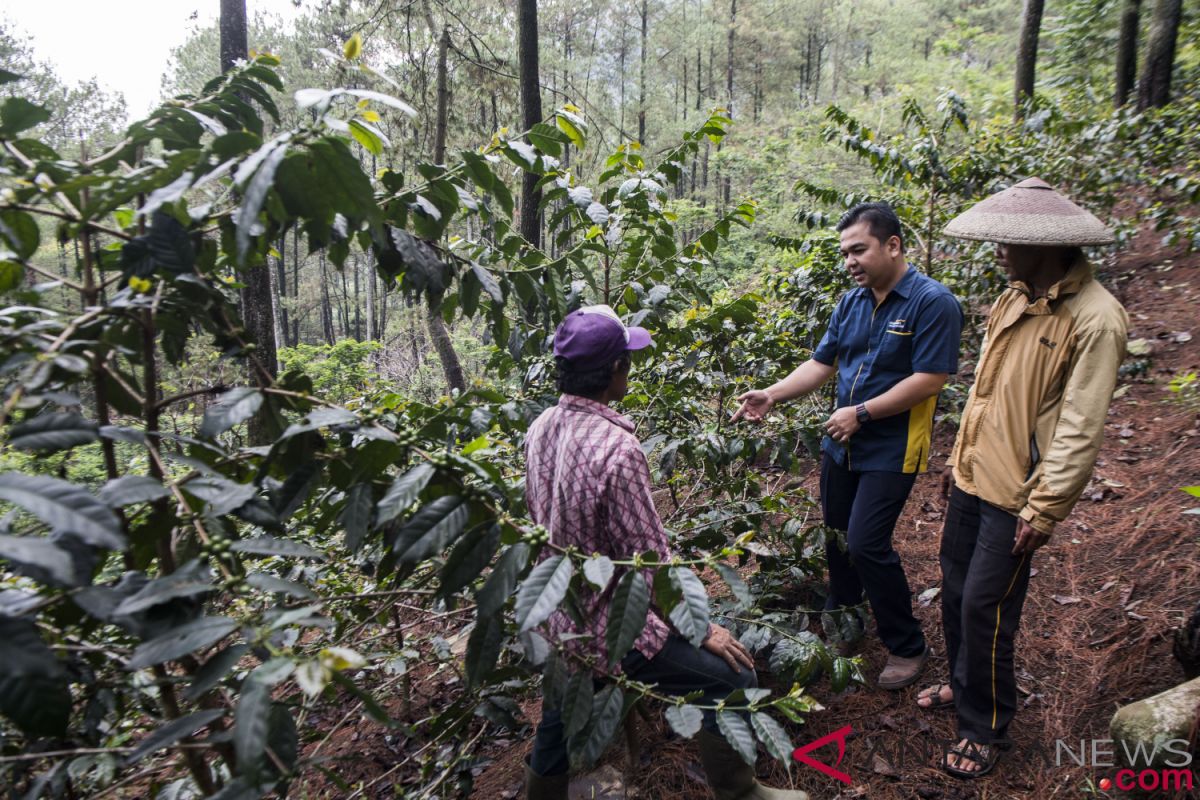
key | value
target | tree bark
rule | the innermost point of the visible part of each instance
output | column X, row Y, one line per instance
column 372, row 334
column 1154, row 89
column 443, row 99
column 233, row 33
column 642, row 80
column 531, row 114
column 326, row 304
column 1031, row 26
column 1127, row 51
column 727, row 180
column 438, row 334
column 282, row 328
column 257, row 298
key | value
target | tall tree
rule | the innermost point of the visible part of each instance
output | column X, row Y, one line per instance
column 727, row 180
column 451, row 366
column 642, row 80
column 1127, row 51
column 1031, row 26
column 531, row 113
column 257, row 308
column 1154, row 89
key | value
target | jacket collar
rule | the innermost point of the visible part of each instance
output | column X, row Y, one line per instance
column 582, row 405
column 1079, row 274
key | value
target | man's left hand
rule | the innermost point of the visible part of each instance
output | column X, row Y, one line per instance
column 1029, row 538
column 843, row 424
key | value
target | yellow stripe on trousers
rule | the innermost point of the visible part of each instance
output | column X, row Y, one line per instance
column 996, row 636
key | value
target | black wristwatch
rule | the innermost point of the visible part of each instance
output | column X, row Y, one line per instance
column 861, row 413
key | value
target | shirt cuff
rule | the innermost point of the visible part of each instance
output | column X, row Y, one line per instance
column 1040, row 522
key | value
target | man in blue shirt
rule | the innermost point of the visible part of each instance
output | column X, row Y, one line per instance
column 893, row 341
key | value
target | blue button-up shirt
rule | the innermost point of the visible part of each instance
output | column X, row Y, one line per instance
column 915, row 329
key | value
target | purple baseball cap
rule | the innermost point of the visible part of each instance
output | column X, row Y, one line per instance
column 594, row 336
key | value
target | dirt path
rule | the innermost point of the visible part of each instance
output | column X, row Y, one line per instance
column 1118, row 576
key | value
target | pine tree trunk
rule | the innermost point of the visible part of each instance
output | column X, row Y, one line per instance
column 372, row 333
column 1127, row 52
column 451, row 366
column 531, row 114
column 726, row 183
column 1154, row 89
column 438, row 334
column 443, row 99
column 1031, row 26
column 642, row 81
column 326, row 304
column 282, row 328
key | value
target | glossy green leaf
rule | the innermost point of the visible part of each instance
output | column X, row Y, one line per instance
column 233, row 407
column 690, row 614
column 430, row 529
column 685, row 720
column 172, row 732
column 34, row 692
column 18, row 114
column 773, row 737
column 355, row 518
column 543, row 591
column 607, row 711
column 483, row 648
column 50, row 433
column 403, row 493
column 577, row 702
column 500, row 584
column 735, row 730
column 63, row 506
column 182, row 641
column 626, row 615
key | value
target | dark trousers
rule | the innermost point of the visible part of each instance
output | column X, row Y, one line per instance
column 866, row 506
column 983, row 592
column 677, row 669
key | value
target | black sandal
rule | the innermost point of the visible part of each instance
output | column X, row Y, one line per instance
column 984, row 755
column 934, row 695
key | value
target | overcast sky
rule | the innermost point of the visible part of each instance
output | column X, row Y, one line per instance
column 126, row 45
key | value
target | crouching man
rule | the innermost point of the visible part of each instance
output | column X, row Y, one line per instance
column 588, row 484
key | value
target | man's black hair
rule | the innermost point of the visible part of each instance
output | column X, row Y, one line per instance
column 588, row 383
column 880, row 218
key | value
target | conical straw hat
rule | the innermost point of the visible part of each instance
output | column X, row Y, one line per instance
column 1029, row 213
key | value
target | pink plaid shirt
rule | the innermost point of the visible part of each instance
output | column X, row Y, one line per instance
column 588, row 483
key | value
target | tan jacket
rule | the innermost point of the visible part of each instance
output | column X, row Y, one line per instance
column 1034, row 419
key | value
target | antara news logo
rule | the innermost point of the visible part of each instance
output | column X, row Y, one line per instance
column 1175, row 774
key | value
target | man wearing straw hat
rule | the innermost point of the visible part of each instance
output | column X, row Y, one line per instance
column 1029, row 435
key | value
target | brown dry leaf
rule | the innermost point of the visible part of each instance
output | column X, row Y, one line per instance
column 881, row 766
column 1066, row 599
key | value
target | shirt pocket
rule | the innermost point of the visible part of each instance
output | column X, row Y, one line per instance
column 895, row 351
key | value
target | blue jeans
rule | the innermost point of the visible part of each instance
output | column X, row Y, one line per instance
column 677, row 669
